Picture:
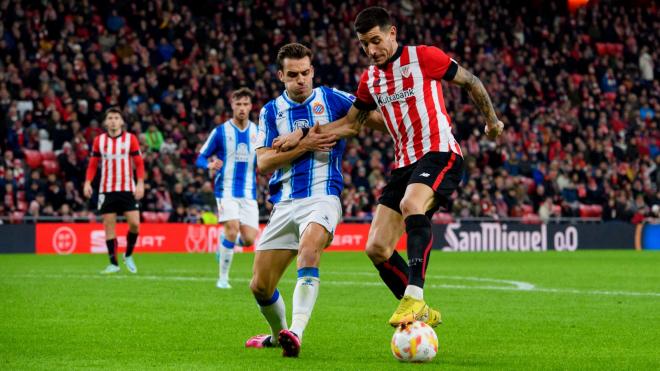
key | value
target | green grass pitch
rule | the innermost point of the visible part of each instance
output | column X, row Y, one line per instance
column 583, row 310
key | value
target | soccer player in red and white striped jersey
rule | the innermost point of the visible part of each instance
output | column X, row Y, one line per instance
column 118, row 193
column 404, row 85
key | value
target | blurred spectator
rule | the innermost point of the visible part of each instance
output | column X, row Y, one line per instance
column 577, row 93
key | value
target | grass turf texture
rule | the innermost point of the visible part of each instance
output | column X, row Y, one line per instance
column 587, row 310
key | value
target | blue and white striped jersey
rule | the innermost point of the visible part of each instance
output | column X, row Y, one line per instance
column 236, row 148
column 314, row 173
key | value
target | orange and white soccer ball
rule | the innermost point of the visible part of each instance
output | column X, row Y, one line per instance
column 414, row 342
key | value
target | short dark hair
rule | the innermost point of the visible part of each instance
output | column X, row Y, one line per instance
column 112, row 110
column 372, row 17
column 242, row 92
column 292, row 51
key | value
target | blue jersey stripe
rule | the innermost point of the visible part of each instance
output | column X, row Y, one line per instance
column 221, row 155
column 240, row 167
column 302, row 166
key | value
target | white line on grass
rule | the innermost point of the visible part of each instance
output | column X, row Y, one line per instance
column 516, row 285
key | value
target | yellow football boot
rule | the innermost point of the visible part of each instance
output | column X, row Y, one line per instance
column 411, row 309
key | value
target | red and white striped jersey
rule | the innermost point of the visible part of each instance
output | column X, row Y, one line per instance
column 116, row 167
column 408, row 93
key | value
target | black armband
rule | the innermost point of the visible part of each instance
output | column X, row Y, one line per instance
column 451, row 71
column 305, row 131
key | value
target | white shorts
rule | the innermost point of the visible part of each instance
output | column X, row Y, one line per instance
column 290, row 218
column 244, row 210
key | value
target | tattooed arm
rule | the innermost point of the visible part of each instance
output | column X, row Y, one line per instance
column 480, row 98
column 347, row 126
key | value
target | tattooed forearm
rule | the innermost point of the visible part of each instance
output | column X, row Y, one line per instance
column 362, row 117
column 479, row 96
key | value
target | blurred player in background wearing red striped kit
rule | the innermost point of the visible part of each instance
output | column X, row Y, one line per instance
column 118, row 193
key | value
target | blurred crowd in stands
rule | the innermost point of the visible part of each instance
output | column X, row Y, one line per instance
column 577, row 91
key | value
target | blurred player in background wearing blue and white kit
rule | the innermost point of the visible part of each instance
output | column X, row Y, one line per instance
column 304, row 188
column 233, row 168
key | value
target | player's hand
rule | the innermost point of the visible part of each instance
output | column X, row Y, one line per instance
column 494, row 130
column 316, row 141
column 285, row 143
column 139, row 191
column 216, row 165
column 87, row 189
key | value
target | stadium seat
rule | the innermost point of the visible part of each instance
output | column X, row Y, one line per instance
column 531, row 219
column 163, row 217
column 32, row 158
column 526, row 209
column 442, row 218
column 590, row 211
column 556, row 210
column 48, row 155
column 601, row 48
column 149, row 217
column 51, row 167
column 16, row 217
column 596, row 211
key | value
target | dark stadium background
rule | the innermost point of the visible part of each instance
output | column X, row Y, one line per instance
column 577, row 90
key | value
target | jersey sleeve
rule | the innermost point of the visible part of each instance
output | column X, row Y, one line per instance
column 364, row 101
column 93, row 161
column 267, row 127
column 135, row 146
column 342, row 101
column 436, row 64
column 96, row 147
column 208, row 149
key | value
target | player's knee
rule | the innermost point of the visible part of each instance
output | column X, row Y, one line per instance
column 377, row 251
column 259, row 289
column 248, row 240
column 231, row 231
column 134, row 227
column 409, row 206
column 309, row 256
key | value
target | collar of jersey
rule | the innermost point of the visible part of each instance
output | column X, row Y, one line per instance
column 120, row 134
column 247, row 127
column 396, row 55
column 294, row 103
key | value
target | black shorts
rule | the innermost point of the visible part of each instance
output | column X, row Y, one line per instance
column 442, row 171
column 117, row 202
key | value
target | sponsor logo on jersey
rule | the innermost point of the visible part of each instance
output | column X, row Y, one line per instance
column 383, row 99
column 301, row 123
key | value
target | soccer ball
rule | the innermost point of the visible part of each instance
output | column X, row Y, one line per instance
column 414, row 342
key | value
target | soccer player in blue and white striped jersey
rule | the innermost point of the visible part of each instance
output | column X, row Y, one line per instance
column 304, row 188
column 232, row 144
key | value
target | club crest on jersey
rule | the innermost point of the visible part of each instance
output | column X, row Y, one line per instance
column 383, row 99
column 318, row 108
column 301, row 123
column 405, row 70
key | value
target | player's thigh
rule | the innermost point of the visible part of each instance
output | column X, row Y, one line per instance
column 418, row 199
column 386, row 229
column 281, row 232
column 269, row 265
column 249, row 213
column 434, row 178
column 228, row 209
column 314, row 239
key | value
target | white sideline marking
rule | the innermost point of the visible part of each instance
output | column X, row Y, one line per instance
column 514, row 285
